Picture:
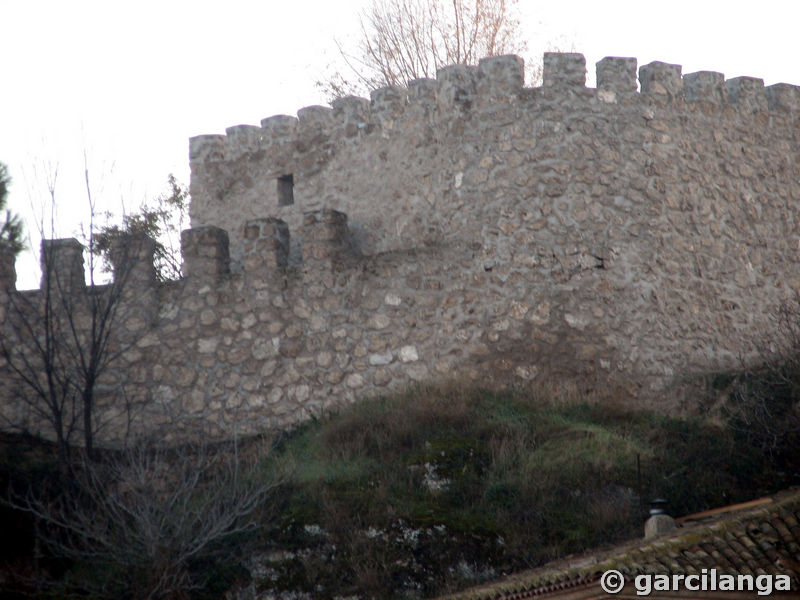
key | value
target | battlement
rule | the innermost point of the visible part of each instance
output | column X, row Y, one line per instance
column 63, row 270
column 266, row 245
column 639, row 235
column 205, row 252
column 495, row 79
column 61, row 262
column 289, row 165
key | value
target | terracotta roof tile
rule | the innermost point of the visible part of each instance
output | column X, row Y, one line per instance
column 763, row 537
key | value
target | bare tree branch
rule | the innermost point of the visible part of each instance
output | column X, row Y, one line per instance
column 141, row 516
column 403, row 40
column 59, row 342
column 764, row 402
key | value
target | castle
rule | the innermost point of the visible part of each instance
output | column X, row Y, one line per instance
column 470, row 228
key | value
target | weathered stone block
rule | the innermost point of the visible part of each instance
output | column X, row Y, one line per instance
column 243, row 138
column 8, row 273
column 61, row 261
column 350, row 115
column 351, row 108
column 266, row 244
column 205, row 253
column 657, row 525
column 457, row 87
column 705, row 86
column 566, row 71
column 617, row 75
column 661, row 80
column 500, row 76
column 278, row 129
column 325, row 235
column 132, row 260
column 203, row 148
column 784, row 97
column 422, row 93
column 387, row 102
column 314, row 118
column 747, row 93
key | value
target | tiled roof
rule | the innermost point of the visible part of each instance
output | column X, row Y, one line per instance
column 754, row 541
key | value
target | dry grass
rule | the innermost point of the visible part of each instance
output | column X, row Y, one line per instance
column 437, row 488
column 502, row 479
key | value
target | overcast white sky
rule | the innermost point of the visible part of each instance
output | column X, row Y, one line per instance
column 128, row 83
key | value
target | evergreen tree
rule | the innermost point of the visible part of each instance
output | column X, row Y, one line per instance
column 10, row 224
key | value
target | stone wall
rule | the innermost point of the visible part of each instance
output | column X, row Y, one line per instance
column 469, row 227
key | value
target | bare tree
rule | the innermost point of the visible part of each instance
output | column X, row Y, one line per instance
column 145, row 521
column 148, row 522
column 59, row 342
column 765, row 396
column 403, row 40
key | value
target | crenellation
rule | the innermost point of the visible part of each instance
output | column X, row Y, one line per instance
column 207, row 148
column 350, row 115
column 8, row 273
column 387, row 103
column 564, row 71
column 135, row 281
column 456, row 87
column 422, row 96
column 705, row 86
column 783, row 97
column 470, row 228
column 205, row 252
column 279, row 129
column 351, row 108
column 61, row 261
column 423, row 89
column 747, row 93
column 661, row 80
column 617, row 75
column 243, row 138
column 266, row 244
column 500, row 77
column 132, row 259
column 314, row 118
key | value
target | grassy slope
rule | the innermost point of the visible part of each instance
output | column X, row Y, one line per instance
column 437, row 488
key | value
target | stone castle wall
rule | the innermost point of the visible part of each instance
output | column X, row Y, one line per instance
column 469, row 227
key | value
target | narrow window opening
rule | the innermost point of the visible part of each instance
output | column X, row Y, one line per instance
column 286, row 190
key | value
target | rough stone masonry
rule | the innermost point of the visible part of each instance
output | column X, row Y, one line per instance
column 471, row 228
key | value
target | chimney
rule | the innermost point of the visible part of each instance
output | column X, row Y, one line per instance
column 659, row 522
